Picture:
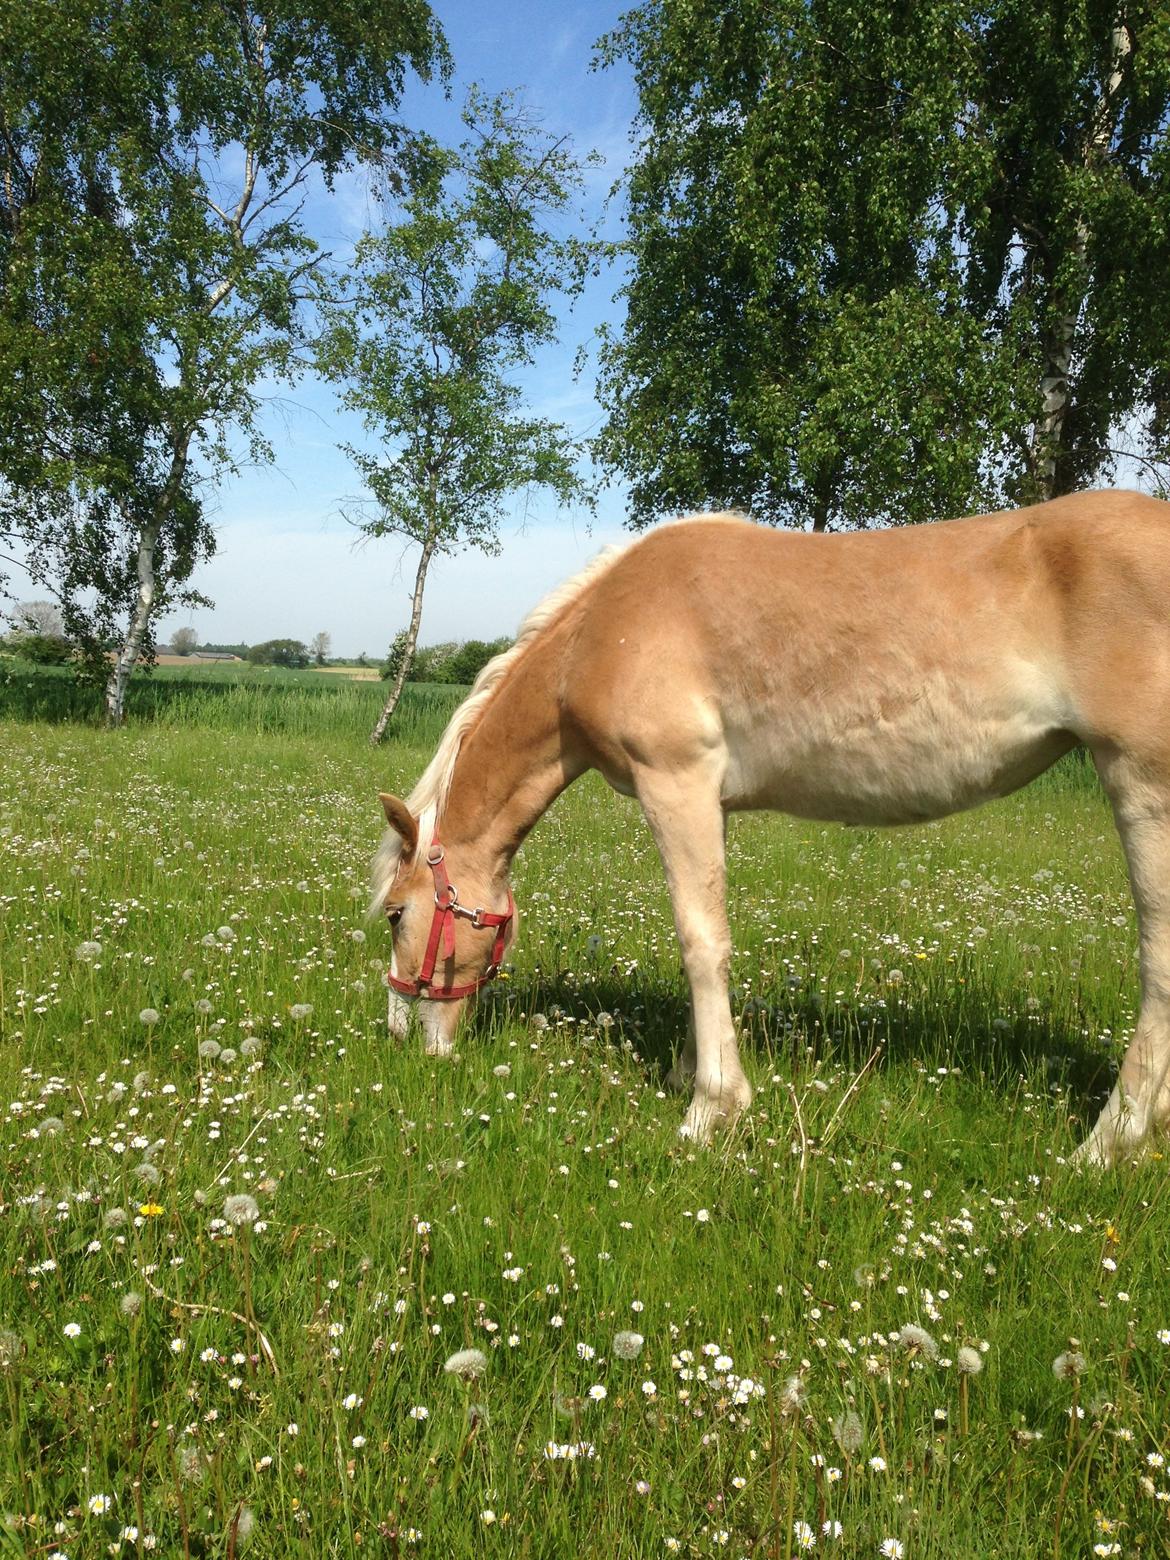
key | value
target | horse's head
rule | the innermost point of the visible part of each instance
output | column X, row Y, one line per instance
column 450, row 924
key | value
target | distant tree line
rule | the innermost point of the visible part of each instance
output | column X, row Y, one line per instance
column 280, row 652
column 37, row 633
column 452, row 661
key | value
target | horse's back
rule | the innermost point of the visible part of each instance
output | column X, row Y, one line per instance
column 876, row 676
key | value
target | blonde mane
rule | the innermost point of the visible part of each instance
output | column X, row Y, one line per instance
column 429, row 795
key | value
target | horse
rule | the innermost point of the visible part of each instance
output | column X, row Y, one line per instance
column 881, row 677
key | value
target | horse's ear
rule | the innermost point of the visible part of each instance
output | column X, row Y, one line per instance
column 401, row 820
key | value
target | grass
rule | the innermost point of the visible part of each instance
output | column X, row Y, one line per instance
column 930, row 1020
column 232, row 697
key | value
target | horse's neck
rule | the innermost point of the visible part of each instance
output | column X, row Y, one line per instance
column 511, row 766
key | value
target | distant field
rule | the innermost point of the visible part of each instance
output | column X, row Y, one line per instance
column 885, row 1317
column 228, row 696
column 191, row 663
column 361, row 673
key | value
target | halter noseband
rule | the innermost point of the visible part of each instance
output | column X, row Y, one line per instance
column 447, row 907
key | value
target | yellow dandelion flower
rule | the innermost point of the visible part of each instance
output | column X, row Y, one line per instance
column 151, row 1210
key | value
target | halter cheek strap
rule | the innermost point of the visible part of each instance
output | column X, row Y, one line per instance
column 447, row 907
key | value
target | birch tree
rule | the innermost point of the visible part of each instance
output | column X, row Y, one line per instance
column 154, row 161
column 427, row 333
column 891, row 263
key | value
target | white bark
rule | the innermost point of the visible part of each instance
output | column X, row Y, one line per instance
column 144, row 602
column 1055, row 394
column 391, row 703
column 131, row 650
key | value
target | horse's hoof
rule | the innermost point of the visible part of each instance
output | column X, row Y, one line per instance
column 707, row 1116
column 697, row 1131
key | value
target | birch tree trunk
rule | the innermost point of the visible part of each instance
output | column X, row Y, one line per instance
column 127, row 657
column 146, row 598
column 1048, row 446
column 391, row 703
column 1054, row 396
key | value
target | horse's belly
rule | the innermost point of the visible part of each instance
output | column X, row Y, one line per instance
column 892, row 762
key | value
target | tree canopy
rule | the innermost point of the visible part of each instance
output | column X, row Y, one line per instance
column 280, row 652
column 153, row 160
column 891, row 262
column 430, row 329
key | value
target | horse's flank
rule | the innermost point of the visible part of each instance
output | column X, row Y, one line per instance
column 879, row 678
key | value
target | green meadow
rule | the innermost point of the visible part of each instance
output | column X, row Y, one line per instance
column 272, row 1283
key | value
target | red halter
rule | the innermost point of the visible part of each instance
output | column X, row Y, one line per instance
column 447, row 907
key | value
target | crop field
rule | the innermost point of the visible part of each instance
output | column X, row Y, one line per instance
column 274, row 1284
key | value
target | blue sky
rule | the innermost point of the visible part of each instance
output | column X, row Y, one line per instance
column 287, row 563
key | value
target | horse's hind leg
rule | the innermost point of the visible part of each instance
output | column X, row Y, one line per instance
column 1140, row 1100
column 684, row 812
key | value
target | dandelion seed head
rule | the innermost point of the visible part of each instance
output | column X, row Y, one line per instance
column 969, row 1361
column 848, row 1431
column 793, row 1395
column 627, row 1345
column 245, row 1525
column 148, row 1016
column 241, row 1208
column 912, row 1338
column 131, row 1303
column 1069, row 1365
column 192, row 1465
column 467, row 1364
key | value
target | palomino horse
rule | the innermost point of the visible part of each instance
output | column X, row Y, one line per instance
column 883, row 677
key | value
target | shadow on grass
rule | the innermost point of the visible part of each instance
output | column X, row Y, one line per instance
column 966, row 1031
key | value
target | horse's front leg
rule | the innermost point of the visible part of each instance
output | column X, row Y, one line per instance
column 685, row 815
column 1140, row 1101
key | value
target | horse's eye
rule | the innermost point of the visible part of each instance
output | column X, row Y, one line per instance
column 394, row 913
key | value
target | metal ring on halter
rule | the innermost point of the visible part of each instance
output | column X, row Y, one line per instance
column 434, row 855
column 453, row 902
